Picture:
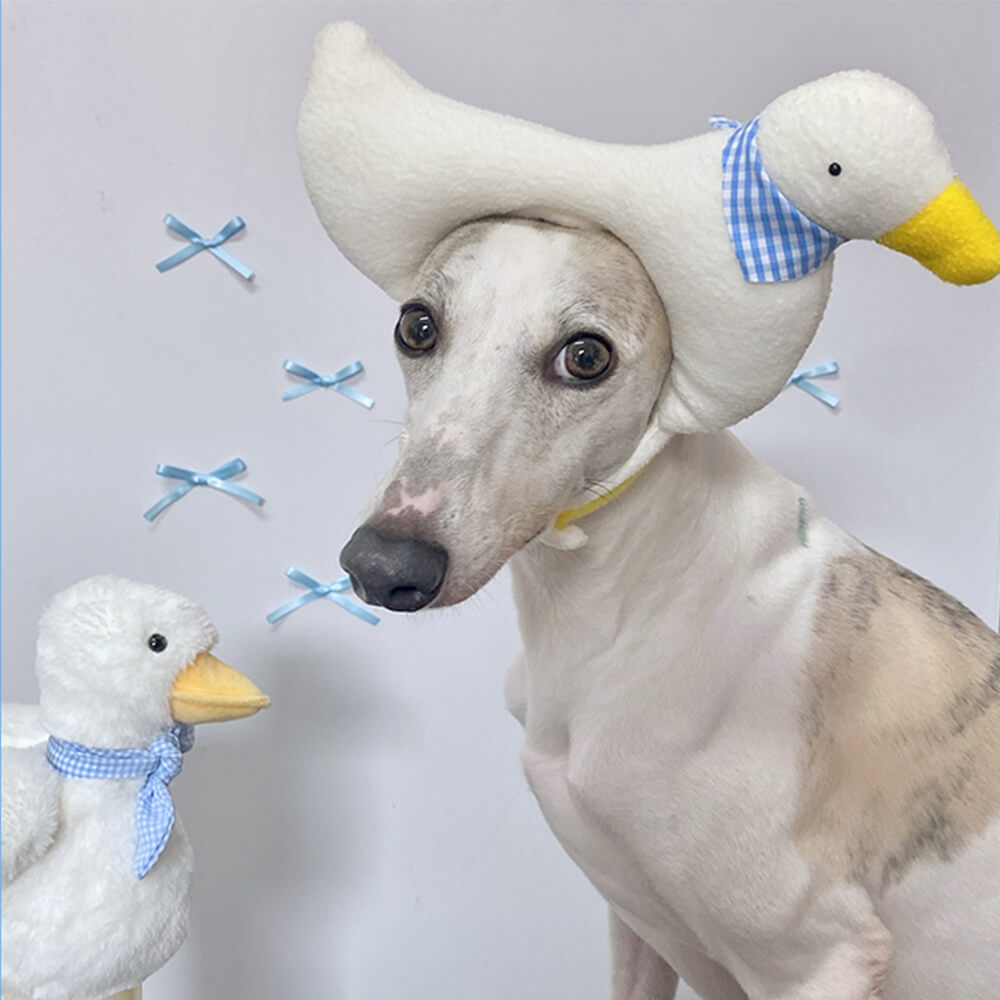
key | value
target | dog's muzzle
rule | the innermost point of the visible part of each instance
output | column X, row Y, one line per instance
column 401, row 574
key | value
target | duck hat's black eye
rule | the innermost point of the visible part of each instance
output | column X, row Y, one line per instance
column 584, row 357
column 834, row 169
column 156, row 642
column 415, row 331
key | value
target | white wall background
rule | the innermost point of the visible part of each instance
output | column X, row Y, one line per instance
column 371, row 835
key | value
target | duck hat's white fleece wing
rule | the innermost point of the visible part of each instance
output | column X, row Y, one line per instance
column 392, row 168
column 30, row 808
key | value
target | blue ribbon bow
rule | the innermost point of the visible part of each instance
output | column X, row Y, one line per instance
column 335, row 381
column 216, row 479
column 159, row 763
column 317, row 590
column 801, row 380
column 199, row 243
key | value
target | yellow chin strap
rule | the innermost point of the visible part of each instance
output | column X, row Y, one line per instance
column 562, row 533
column 574, row 513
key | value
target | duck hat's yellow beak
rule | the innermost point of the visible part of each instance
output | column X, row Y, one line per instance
column 951, row 237
column 208, row 690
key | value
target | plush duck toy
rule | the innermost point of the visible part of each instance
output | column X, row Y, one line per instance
column 96, row 871
column 736, row 227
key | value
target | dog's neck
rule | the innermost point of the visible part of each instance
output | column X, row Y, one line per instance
column 660, row 560
column 703, row 503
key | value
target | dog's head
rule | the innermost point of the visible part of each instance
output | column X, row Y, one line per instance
column 533, row 356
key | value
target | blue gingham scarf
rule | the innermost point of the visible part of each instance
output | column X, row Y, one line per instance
column 773, row 240
column 159, row 763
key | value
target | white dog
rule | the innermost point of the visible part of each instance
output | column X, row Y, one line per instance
column 773, row 751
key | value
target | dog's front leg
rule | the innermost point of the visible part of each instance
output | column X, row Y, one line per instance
column 637, row 972
column 836, row 948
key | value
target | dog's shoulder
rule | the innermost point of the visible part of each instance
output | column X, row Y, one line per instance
column 902, row 731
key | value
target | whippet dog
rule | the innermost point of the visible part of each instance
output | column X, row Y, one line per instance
column 773, row 751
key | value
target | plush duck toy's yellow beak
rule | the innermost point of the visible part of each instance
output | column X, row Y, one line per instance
column 208, row 690
column 951, row 237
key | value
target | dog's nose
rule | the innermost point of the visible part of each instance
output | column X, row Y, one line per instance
column 401, row 574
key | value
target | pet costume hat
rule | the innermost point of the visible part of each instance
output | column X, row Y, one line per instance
column 393, row 168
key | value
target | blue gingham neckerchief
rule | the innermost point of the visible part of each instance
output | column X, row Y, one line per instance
column 159, row 763
column 773, row 240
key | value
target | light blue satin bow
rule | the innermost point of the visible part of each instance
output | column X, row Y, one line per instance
column 801, row 380
column 335, row 381
column 159, row 763
column 199, row 243
column 318, row 590
column 216, row 479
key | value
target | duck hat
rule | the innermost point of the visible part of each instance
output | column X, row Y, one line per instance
column 736, row 227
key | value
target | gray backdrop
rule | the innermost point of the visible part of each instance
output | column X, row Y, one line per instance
column 371, row 835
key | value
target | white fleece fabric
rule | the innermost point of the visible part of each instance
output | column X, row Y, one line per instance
column 77, row 923
column 392, row 168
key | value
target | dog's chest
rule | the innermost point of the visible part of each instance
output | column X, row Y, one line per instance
column 648, row 785
column 579, row 816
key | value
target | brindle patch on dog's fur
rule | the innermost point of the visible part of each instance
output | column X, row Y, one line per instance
column 904, row 718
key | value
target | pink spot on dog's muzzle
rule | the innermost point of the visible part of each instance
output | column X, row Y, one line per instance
column 423, row 504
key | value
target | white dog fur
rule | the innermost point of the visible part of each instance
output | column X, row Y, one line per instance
column 773, row 751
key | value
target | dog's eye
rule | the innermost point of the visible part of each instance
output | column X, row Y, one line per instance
column 583, row 359
column 415, row 331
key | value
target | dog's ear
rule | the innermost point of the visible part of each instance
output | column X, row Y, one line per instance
column 393, row 168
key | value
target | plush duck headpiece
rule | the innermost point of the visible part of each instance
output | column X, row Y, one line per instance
column 393, row 168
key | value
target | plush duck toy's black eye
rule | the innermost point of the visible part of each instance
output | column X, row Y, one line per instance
column 834, row 169
column 156, row 642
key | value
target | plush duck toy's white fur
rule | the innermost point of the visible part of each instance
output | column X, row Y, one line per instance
column 393, row 168
column 118, row 664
